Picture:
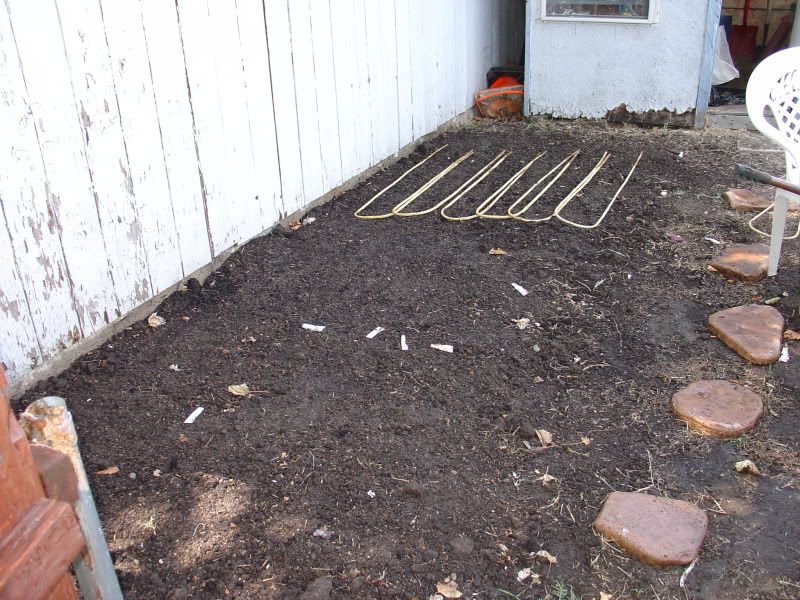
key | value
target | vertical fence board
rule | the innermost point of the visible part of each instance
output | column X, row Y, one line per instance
column 19, row 350
column 165, row 56
column 145, row 154
column 325, row 79
column 463, row 98
column 364, row 110
column 306, row 97
column 198, row 50
column 32, row 254
column 404, row 40
column 261, row 116
column 99, row 120
column 388, row 40
column 232, row 217
column 348, row 102
column 419, row 100
column 284, row 103
column 372, row 20
column 72, row 203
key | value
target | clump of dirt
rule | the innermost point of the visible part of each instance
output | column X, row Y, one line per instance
column 357, row 469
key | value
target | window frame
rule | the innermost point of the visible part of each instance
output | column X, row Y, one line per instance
column 651, row 18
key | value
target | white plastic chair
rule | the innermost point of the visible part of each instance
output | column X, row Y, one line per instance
column 775, row 85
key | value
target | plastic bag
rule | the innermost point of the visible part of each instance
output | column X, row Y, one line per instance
column 724, row 69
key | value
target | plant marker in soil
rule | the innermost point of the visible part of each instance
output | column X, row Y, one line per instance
column 195, row 413
column 317, row 328
column 403, row 344
column 520, row 289
column 375, row 332
column 442, row 347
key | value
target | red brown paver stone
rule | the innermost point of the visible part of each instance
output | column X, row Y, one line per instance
column 745, row 200
column 657, row 531
column 745, row 262
column 753, row 331
column 718, row 408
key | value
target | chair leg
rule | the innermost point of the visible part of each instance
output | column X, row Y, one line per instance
column 778, row 226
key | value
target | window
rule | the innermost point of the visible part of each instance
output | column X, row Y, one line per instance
column 641, row 11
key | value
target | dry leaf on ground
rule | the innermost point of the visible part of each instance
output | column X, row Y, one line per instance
column 295, row 225
column 108, row 471
column 154, row 320
column 522, row 323
column 527, row 575
column 543, row 556
column 239, row 390
column 545, row 437
column 448, row 589
column 792, row 335
column 747, row 466
column 497, row 252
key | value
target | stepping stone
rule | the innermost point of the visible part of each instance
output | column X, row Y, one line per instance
column 753, row 331
column 718, row 408
column 745, row 200
column 657, row 531
column 745, row 262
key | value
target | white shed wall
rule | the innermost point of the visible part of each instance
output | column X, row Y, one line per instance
column 583, row 69
column 142, row 138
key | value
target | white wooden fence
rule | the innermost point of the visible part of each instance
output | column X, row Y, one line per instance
column 141, row 138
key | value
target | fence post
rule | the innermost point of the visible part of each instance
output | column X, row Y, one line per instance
column 48, row 421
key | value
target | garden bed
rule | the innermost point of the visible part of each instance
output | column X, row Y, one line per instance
column 414, row 465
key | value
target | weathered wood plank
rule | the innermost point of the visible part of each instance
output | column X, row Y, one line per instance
column 261, row 115
column 348, row 102
column 56, row 473
column 388, row 43
column 198, row 51
column 463, row 93
column 20, row 349
column 372, row 21
column 73, row 206
column 284, row 103
column 36, row 298
column 235, row 220
column 364, row 107
column 97, row 104
column 22, row 489
column 325, row 79
column 168, row 70
column 306, row 98
column 405, row 36
column 419, row 97
column 37, row 551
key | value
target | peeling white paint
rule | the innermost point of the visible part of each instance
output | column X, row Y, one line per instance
column 147, row 137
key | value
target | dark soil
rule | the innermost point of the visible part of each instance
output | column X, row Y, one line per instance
column 422, row 464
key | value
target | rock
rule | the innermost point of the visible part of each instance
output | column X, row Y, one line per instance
column 319, row 589
column 745, row 262
column 747, row 201
column 753, row 331
column 462, row 545
column 657, row 531
column 718, row 408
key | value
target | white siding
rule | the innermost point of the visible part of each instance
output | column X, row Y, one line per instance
column 584, row 69
column 142, row 138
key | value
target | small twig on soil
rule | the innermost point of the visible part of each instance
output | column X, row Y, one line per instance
column 597, row 366
column 601, row 478
column 686, row 573
column 399, row 479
